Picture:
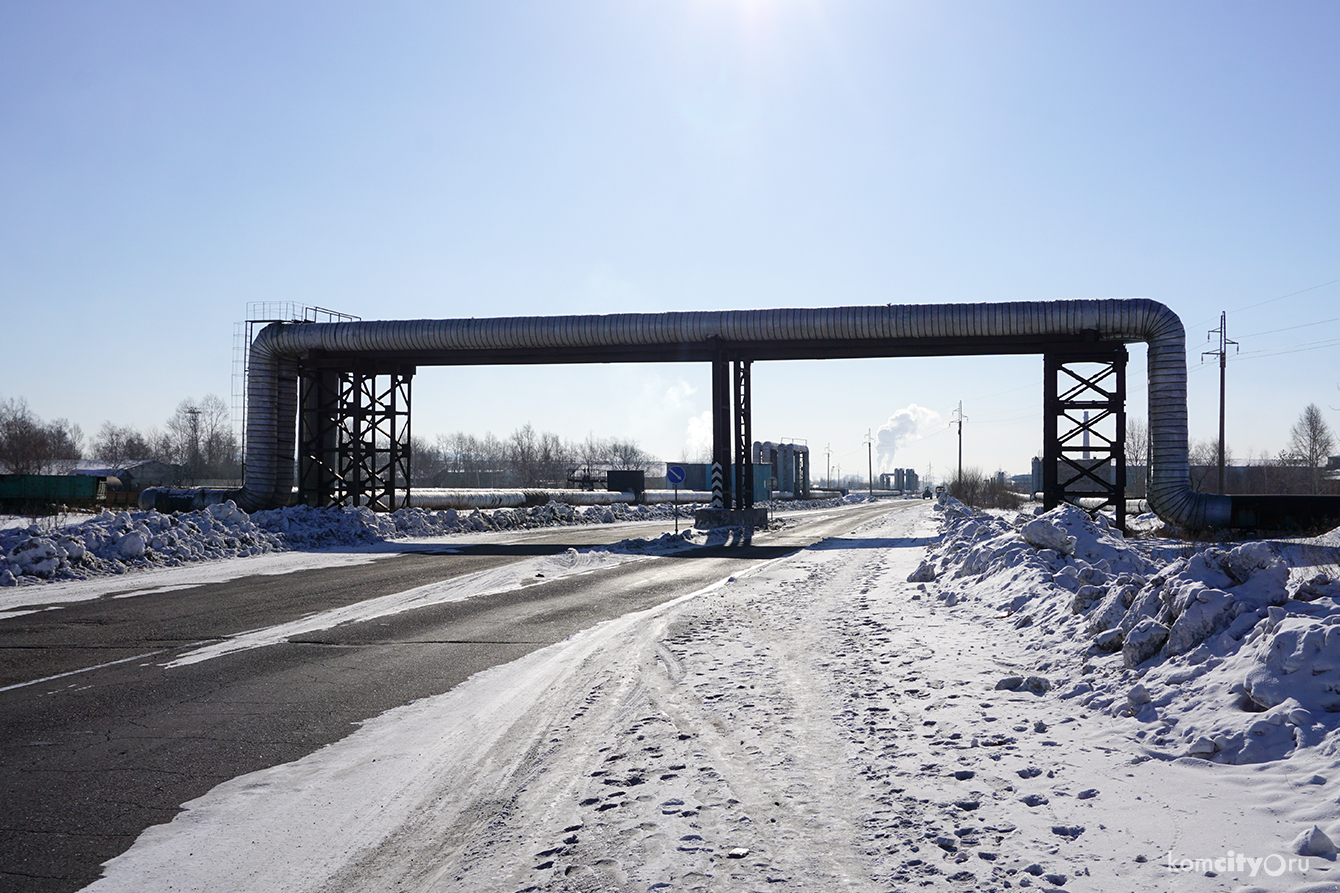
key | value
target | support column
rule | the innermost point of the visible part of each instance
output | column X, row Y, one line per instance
column 732, row 449
column 721, row 439
column 1051, row 444
column 744, row 439
column 354, row 447
column 1084, row 429
column 318, row 436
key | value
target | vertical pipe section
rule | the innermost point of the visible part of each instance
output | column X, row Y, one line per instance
column 272, row 382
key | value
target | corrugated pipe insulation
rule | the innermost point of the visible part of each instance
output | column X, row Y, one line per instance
column 272, row 388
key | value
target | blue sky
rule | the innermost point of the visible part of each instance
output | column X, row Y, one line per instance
column 164, row 164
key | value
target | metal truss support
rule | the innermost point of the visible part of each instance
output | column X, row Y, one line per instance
column 744, row 438
column 732, row 434
column 721, row 479
column 354, row 436
column 1084, row 428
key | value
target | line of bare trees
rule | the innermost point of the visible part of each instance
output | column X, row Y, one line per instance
column 1300, row 467
column 197, row 442
column 525, row 458
column 971, row 487
column 30, row 446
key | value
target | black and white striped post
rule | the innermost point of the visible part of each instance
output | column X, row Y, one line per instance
column 721, row 432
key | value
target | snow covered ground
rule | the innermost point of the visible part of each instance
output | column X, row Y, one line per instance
column 943, row 699
column 72, row 546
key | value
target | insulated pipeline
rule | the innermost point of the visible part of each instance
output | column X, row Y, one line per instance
column 272, row 391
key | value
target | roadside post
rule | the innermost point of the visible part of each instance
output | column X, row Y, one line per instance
column 674, row 474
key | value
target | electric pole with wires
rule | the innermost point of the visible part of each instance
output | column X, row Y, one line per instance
column 870, row 460
column 961, row 418
column 1222, row 354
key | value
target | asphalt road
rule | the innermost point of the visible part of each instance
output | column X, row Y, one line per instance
column 102, row 740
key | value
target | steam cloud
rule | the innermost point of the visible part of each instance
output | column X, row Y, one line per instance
column 903, row 426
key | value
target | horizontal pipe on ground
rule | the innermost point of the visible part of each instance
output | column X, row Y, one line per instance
column 441, row 498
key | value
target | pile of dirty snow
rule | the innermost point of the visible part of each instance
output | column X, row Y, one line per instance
column 116, row 542
column 1230, row 653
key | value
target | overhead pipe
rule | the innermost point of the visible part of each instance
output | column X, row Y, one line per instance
column 272, row 390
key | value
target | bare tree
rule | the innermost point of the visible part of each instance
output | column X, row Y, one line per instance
column 1137, row 453
column 200, row 440
column 425, row 460
column 1310, row 444
column 628, row 454
column 523, row 454
column 183, row 440
column 30, row 446
column 593, row 453
column 111, row 444
column 1203, row 457
column 218, row 443
column 553, row 459
column 67, row 445
column 455, row 450
column 475, row 457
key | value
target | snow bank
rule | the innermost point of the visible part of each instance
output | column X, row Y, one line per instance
column 1218, row 652
column 117, row 542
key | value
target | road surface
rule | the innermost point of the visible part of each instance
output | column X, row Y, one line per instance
column 103, row 739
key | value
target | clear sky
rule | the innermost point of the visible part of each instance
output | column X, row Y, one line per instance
column 164, row 164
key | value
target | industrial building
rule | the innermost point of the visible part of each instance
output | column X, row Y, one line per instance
column 789, row 468
column 904, row 479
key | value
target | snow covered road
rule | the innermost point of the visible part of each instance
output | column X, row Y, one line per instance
column 815, row 724
column 119, row 707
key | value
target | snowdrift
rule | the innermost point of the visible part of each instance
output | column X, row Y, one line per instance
column 1229, row 653
column 117, row 542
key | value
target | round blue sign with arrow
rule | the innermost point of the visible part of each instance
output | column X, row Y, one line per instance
column 674, row 474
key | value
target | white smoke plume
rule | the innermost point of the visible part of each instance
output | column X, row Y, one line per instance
column 698, row 444
column 903, row 426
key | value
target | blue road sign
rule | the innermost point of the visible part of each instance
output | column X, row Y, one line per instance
column 674, row 474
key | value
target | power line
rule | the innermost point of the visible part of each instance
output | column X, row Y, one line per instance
column 1306, row 325
column 961, row 419
column 1289, row 295
column 1292, row 348
column 1006, row 421
column 1222, row 353
column 1273, row 300
column 1009, row 391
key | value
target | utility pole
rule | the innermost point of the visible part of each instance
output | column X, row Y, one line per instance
column 1222, row 353
column 193, row 459
column 828, row 452
column 961, row 419
column 870, row 461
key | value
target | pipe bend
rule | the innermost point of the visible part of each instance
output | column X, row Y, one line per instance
column 272, row 370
